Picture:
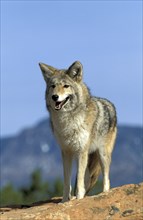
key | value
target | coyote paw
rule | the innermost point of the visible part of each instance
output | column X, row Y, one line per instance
column 80, row 195
column 66, row 199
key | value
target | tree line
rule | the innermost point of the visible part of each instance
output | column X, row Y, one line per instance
column 38, row 190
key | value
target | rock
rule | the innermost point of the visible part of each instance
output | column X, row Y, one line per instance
column 123, row 202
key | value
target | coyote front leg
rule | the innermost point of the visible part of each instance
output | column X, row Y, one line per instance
column 67, row 165
column 82, row 165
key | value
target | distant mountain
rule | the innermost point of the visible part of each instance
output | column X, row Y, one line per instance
column 37, row 148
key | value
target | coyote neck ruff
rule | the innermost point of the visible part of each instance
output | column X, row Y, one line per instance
column 85, row 127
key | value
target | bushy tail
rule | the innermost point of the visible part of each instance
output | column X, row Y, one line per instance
column 92, row 172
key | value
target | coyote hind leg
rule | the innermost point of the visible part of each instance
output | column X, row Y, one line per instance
column 105, row 153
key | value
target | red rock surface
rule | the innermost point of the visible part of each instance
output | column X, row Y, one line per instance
column 125, row 202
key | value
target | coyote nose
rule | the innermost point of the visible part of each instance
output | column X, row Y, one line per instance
column 55, row 97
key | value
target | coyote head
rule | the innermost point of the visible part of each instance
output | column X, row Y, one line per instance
column 63, row 91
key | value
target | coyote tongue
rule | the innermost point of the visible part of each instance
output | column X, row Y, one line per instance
column 59, row 105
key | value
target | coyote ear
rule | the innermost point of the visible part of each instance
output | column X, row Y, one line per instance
column 47, row 71
column 75, row 71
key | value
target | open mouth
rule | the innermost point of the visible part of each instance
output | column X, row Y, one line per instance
column 59, row 105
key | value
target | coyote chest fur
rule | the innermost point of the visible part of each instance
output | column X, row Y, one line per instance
column 71, row 132
column 84, row 126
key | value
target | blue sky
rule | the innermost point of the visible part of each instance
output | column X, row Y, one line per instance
column 106, row 36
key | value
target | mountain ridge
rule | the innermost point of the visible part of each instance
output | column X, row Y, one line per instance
column 36, row 147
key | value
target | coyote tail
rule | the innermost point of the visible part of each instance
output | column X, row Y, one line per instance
column 92, row 172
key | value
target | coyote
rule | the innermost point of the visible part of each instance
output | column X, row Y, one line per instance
column 84, row 126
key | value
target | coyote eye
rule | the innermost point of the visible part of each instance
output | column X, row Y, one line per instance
column 53, row 86
column 66, row 86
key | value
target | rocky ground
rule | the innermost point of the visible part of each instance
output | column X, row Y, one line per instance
column 125, row 202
